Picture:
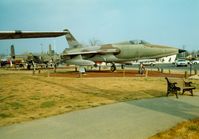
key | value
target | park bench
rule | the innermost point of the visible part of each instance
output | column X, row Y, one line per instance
column 187, row 87
column 173, row 86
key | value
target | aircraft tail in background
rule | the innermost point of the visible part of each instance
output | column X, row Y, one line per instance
column 12, row 51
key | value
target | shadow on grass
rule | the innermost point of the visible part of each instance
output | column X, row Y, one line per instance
column 105, row 93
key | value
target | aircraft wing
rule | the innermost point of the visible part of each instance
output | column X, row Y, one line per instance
column 103, row 51
column 18, row 34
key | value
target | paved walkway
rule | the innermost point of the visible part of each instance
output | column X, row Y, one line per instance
column 137, row 119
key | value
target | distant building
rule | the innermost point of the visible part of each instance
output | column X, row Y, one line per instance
column 168, row 59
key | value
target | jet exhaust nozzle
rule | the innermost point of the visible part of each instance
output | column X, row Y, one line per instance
column 181, row 51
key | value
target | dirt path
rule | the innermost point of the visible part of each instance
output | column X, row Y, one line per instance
column 118, row 73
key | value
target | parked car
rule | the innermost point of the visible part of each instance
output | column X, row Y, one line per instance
column 181, row 62
column 195, row 61
column 147, row 62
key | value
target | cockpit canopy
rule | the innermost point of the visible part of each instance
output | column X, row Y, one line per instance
column 138, row 42
column 134, row 42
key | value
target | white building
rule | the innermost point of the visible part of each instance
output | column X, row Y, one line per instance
column 168, row 59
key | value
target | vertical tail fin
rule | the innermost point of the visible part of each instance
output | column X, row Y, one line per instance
column 72, row 42
column 12, row 52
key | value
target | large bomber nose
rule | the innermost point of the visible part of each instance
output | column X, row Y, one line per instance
column 181, row 51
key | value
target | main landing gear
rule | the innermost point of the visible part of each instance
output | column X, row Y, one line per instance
column 113, row 67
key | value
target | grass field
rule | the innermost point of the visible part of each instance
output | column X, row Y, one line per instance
column 26, row 97
column 185, row 130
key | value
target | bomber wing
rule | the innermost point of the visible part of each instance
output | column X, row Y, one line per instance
column 18, row 34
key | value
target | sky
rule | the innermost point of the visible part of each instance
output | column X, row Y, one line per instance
column 167, row 22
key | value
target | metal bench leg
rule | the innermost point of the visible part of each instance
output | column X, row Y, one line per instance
column 167, row 93
column 191, row 91
column 176, row 93
column 183, row 92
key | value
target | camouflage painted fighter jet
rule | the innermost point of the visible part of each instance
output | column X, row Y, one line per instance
column 78, row 54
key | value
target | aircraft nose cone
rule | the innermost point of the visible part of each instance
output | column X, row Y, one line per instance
column 181, row 50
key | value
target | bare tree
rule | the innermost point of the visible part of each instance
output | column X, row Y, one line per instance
column 94, row 42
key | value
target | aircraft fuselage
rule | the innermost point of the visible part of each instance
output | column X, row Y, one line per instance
column 122, row 52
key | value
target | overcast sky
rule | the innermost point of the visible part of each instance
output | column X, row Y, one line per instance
column 167, row 22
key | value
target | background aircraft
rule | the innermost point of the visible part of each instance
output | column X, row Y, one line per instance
column 78, row 54
column 28, row 60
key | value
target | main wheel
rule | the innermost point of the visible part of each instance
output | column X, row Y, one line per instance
column 113, row 68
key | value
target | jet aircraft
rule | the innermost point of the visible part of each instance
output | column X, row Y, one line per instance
column 80, row 55
column 28, row 60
